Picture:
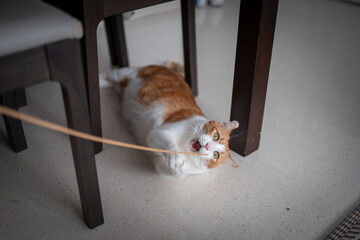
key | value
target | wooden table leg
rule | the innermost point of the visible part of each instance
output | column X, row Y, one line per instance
column 189, row 42
column 254, row 47
column 115, row 32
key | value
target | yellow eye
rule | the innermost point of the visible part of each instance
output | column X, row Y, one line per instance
column 216, row 155
column 216, row 136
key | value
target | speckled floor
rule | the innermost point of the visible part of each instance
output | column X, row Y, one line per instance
column 299, row 185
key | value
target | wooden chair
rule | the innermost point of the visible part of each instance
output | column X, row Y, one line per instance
column 91, row 12
column 45, row 46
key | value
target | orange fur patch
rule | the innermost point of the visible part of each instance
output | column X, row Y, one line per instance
column 168, row 88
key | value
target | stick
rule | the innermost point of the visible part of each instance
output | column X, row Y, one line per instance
column 45, row 124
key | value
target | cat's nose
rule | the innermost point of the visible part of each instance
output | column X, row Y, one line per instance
column 207, row 146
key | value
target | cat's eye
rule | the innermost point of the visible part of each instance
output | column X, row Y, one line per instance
column 216, row 136
column 216, row 155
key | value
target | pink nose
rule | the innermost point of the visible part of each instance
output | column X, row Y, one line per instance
column 207, row 146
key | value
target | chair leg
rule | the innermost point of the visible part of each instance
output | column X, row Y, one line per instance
column 89, row 47
column 189, row 42
column 20, row 97
column 90, row 13
column 66, row 67
column 116, row 39
column 14, row 127
column 253, row 55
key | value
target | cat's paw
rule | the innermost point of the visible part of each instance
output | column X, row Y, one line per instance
column 173, row 161
column 177, row 165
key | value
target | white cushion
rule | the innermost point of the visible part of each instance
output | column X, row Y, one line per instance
column 26, row 24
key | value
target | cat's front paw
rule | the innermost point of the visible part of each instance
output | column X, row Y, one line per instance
column 177, row 165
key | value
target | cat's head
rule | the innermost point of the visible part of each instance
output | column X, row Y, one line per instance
column 213, row 139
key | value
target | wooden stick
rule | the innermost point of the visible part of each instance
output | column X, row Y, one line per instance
column 25, row 117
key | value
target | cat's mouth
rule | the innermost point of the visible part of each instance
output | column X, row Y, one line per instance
column 195, row 146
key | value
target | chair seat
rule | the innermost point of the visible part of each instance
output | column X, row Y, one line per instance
column 26, row 24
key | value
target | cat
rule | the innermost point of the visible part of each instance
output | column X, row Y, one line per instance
column 162, row 112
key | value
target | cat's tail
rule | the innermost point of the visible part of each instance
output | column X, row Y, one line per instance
column 119, row 78
column 116, row 75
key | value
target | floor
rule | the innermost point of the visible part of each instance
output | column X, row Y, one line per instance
column 300, row 184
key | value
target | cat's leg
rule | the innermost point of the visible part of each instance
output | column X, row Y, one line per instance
column 172, row 164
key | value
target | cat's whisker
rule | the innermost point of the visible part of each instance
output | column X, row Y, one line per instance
column 196, row 123
column 232, row 136
column 195, row 127
column 189, row 132
column 192, row 128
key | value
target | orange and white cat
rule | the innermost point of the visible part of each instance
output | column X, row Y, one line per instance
column 162, row 112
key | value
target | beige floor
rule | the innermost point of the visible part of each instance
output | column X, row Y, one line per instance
column 299, row 185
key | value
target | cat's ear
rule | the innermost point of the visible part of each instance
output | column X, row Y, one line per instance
column 230, row 162
column 230, row 125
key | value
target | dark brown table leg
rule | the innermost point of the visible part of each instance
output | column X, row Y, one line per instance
column 253, row 55
column 115, row 32
column 66, row 67
column 13, row 126
column 189, row 41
